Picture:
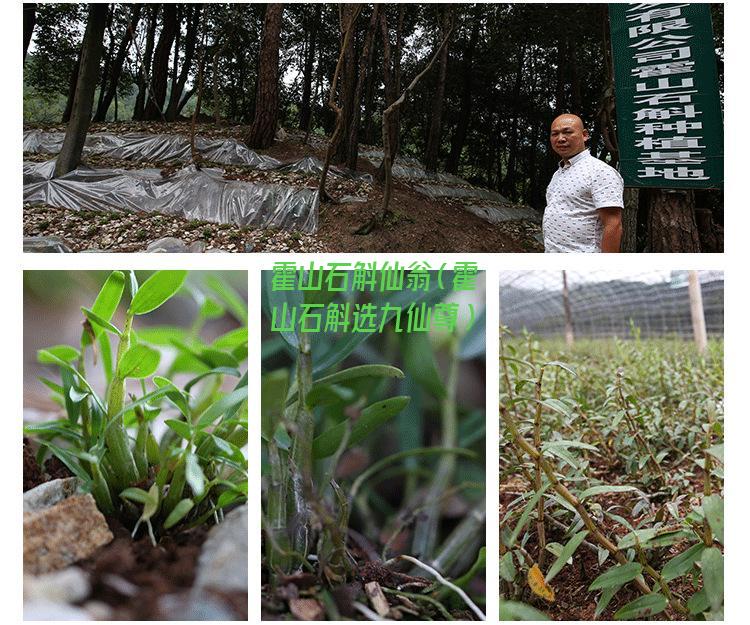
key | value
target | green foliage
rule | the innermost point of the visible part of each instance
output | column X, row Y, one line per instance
column 197, row 468
column 630, row 429
column 347, row 422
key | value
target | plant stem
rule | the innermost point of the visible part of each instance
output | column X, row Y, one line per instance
column 460, row 538
column 541, row 536
column 116, row 436
column 302, row 448
column 277, row 514
column 425, row 533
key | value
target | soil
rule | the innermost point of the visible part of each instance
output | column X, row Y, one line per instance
column 131, row 576
column 33, row 474
column 418, row 224
column 573, row 601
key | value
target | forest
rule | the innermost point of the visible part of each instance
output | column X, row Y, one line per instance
column 457, row 98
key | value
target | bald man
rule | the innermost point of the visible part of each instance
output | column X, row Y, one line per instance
column 584, row 197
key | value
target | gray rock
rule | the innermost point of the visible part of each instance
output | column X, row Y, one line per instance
column 48, row 494
column 70, row 585
column 58, row 536
column 197, row 606
column 51, row 611
column 167, row 244
column 223, row 563
column 45, row 245
column 249, row 247
column 197, row 247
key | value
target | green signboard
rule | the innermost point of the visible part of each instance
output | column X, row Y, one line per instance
column 669, row 121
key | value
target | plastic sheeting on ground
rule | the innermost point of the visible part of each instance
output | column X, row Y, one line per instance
column 190, row 193
column 144, row 147
column 494, row 207
column 151, row 147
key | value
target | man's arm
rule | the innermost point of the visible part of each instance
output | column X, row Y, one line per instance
column 611, row 219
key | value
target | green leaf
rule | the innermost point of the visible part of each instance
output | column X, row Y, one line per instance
column 617, row 576
column 565, row 555
column 371, row 419
column 99, row 323
column 419, row 361
column 225, row 405
column 641, row 608
column 137, row 494
column 236, row 304
column 473, row 342
column 140, row 361
column 507, row 567
column 605, row 598
column 698, row 602
column 712, row 566
column 599, row 490
column 194, row 474
column 713, row 509
column 525, row 515
column 562, row 365
column 181, row 428
column 517, row 611
column 682, row 563
column 717, row 451
column 341, row 348
column 211, row 309
column 106, row 302
column 156, row 290
column 638, row 537
column 65, row 353
column 178, row 513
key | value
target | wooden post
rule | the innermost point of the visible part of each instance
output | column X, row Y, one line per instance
column 569, row 337
column 696, row 311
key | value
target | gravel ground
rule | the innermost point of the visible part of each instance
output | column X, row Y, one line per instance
column 133, row 232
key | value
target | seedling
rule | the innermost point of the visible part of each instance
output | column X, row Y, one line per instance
column 617, row 439
column 107, row 439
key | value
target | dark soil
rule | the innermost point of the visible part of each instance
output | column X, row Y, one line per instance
column 573, row 600
column 153, row 572
column 33, row 474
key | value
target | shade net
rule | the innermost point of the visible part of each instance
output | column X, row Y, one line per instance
column 609, row 304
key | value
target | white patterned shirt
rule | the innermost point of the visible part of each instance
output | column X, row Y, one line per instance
column 577, row 190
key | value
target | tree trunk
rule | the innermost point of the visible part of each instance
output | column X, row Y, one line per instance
column 144, row 75
column 178, row 86
column 263, row 127
column 29, row 21
column 305, row 111
column 108, row 57
column 349, row 15
column 160, row 66
column 509, row 182
column 432, row 152
column 459, row 136
column 71, row 91
column 379, row 219
column 671, row 222
column 346, row 95
column 392, row 84
column 116, row 67
column 365, row 65
column 630, row 221
column 91, row 52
